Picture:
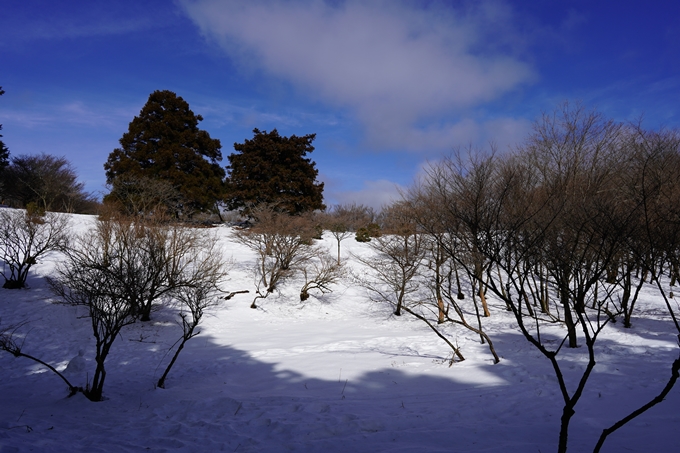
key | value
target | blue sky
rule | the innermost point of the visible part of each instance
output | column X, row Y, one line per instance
column 387, row 86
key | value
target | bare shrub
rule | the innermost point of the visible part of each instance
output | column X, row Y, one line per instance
column 140, row 196
column 655, row 244
column 320, row 272
column 48, row 181
column 344, row 220
column 283, row 244
column 25, row 237
column 552, row 222
column 399, row 255
column 198, row 292
column 90, row 278
column 393, row 270
column 117, row 270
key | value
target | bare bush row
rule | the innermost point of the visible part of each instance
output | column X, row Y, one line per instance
column 128, row 265
column 565, row 230
column 118, row 272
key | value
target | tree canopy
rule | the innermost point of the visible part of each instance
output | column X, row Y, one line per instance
column 49, row 182
column 165, row 143
column 273, row 169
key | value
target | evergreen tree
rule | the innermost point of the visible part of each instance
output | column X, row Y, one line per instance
column 165, row 143
column 273, row 169
column 4, row 151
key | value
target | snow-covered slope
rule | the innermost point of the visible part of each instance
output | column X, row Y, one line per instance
column 337, row 373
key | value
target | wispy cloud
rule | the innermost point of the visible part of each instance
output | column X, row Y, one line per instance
column 225, row 114
column 375, row 194
column 75, row 113
column 51, row 30
column 398, row 67
column 502, row 132
column 84, row 20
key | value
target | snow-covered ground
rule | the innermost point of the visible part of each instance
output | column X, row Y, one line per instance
column 337, row 373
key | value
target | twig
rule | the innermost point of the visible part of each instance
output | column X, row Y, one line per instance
column 233, row 293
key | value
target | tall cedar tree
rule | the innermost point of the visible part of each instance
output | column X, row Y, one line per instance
column 165, row 143
column 273, row 169
column 4, row 151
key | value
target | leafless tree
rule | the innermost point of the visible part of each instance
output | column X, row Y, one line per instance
column 283, row 244
column 577, row 154
column 397, row 267
column 200, row 292
column 25, row 237
column 568, row 218
column 139, row 196
column 444, row 247
column 48, row 181
column 399, row 254
column 549, row 221
column 344, row 220
column 320, row 272
column 657, row 189
column 164, row 262
column 114, row 269
column 88, row 278
column 458, row 199
column 153, row 259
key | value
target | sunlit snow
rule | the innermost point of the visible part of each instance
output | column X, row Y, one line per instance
column 337, row 373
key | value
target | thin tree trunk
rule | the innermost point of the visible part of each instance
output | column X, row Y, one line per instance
column 567, row 413
column 72, row 389
column 479, row 318
column 675, row 373
column 482, row 297
column 441, row 308
column 95, row 392
column 460, row 295
column 189, row 335
column 438, row 286
column 568, row 318
column 545, row 305
column 595, row 294
column 456, row 351
column 628, row 314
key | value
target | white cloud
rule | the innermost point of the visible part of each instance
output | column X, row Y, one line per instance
column 375, row 194
column 395, row 66
column 90, row 20
column 503, row 132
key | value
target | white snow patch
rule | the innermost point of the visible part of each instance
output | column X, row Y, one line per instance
column 335, row 374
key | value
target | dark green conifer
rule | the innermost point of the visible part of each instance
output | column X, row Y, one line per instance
column 273, row 169
column 165, row 143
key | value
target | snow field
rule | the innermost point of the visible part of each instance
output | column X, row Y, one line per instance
column 337, row 373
